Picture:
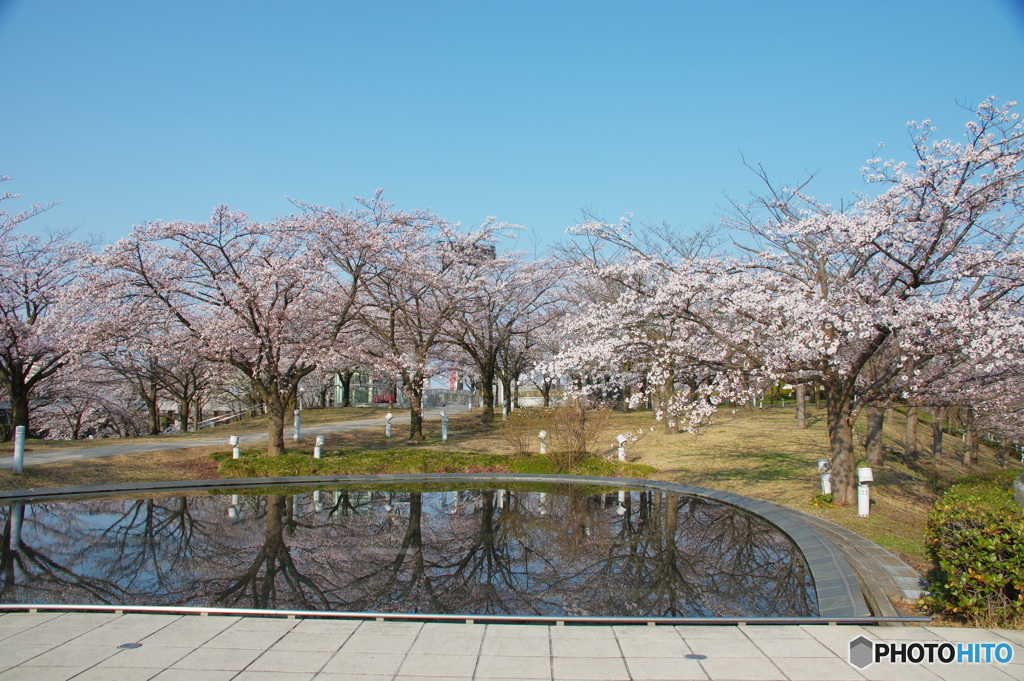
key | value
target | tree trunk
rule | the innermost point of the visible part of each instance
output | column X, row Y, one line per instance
column 183, row 409
column 487, row 391
column 938, row 414
column 153, row 411
column 1004, row 452
column 801, row 409
column 276, row 407
column 668, row 389
column 413, row 386
column 910, row 437
column 346, row 389
column 199, row 413
column 972, row 446
column 19, row 407
column 840, row 438
column 873, row 443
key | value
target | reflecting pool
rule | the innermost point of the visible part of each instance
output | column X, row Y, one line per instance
column 558, row 551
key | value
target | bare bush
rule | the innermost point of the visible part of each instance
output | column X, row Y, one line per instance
column 520, row 430
column 576, row 433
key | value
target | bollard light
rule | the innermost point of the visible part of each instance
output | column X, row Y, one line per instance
column 17, row 516
column 387, row 424
column 444, row 426
column 543, row 435
column 621, row 510
column 236, row 453
column 824, row 469
column 318, row 504
column 621, row 439
column 296, row 435
column 864, row 476
column 319, row 444
column 19, row 449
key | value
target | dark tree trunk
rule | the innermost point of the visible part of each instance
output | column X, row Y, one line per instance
column 873, row 443
column 487, row 391
column 346, row 388
column 938, row 415
column 413, row 387
column 910, row 438
column 801, row 408
column 840, row 438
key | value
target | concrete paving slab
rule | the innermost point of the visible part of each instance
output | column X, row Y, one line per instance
column 645, row 632
column 578, row 631
column 194, row 675
column 146, row 656
column 589, row 669
column 435, row 665
column 518, row 631
column 45, row 636
column 794, row 647
column 12, row 656
column 23, row 620
column 318, row 642
column 700, row 631
column 370, row 643
column 513, row 667
column 264, row 624
column 40, row 673
column 893, row 672
column 178, row 638
column 446, row 645
column 107, row 635
column 974, row 672
column 664, row 669
column 721, row 648
column 290, row 661
column 224, row 659
column 461, row 630
column 742, row 669
column 325, row 626
column 585, row 647
column 234, row 638
column 817, row 669
column 119, row 674
column 274, row 676
column 512, row 647
column 364, row 663
column 654, row 647
column 212, row 623
column 353, row 677
column 391, row 628
column 72, row 656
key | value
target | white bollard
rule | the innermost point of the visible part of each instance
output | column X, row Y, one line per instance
column 824, row 468
column 621, row 439
column 319, row 444
column 621, row 510
column 543, row 435
column 504, row 412
column 236, row 453
column 318, row 505
column 295, row 436
column 19, row 449
column 864, row 476
column 444, row 426
column 387, row 424
column 501, row 498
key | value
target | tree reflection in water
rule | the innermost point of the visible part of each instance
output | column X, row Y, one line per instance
column 566, row 552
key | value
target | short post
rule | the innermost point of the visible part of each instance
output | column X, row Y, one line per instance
column 387, row 424
column 621, row 439
column 501, row 498
column 824, row 469
column 621, row 510
column 295, row 436
column 864, row 492
column 444, row 426
column 543, row 435
column 318, row 504
column 504, row 412
column 236, row 453
column 19, row 449
column 319, row 444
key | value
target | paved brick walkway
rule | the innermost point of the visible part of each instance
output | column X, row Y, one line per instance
column 84, row 646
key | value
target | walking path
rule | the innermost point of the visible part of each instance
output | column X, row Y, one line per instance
column 57, row 455
column 54, row 646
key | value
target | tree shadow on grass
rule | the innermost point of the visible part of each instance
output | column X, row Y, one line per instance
column 755, row 467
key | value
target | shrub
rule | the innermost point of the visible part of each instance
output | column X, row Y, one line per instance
column 976, row 538
column 575, row 434
column 520, row 430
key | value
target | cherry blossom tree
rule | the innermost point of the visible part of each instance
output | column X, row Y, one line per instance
column 246, row 294
column 38, row 328
column 929, row 268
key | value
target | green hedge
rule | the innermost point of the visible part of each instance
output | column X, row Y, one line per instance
column 976, row 538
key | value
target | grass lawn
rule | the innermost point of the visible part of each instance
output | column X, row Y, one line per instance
column 759, row 453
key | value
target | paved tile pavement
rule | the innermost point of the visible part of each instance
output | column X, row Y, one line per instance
column 53, row 646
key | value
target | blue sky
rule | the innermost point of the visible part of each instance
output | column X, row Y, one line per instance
column 129, row 111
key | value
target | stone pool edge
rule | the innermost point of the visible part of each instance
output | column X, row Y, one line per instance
column 836, row 585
